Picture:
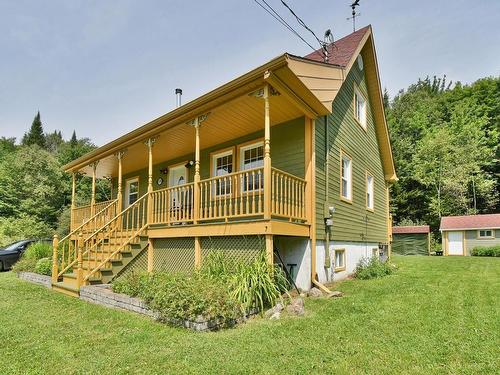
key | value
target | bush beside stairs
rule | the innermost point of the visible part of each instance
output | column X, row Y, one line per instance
column 68, row 285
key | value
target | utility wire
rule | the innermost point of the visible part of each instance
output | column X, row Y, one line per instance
column 302, row 23
column 269, row 9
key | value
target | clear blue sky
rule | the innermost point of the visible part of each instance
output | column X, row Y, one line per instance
column 105, row 67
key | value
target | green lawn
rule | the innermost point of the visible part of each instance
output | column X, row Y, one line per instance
column 436, row 315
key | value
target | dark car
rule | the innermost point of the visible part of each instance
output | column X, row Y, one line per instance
column 11, row 253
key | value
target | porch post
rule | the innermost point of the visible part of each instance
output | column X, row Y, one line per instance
column 196, row 195
column 150, row 142
column 55, row 263
column 269, row 248
column 92, row 200
column 79, row 264
column 119, row 192
column 73, row 200
column 267, row 156
column 150, row 255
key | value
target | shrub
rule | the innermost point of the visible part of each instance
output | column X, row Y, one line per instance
column 38, row 251
column 217, row 266
column 24, row 265
column 370, row 268
column 44, row 266
column 182, row 297
column 486, row 251
column 132, row 284
column 258, row 284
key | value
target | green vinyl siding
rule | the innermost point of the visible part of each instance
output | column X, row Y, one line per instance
column 351, row 221
column 410, row 244
column 287, row 154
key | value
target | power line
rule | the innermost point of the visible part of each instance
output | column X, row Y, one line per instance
column 269, row 9
column 302, row 23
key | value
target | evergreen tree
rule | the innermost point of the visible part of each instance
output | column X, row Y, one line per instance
column 73, row 141
column 35, row 136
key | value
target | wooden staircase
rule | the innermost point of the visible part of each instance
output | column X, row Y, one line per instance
column 101, row 254
column 69, row 283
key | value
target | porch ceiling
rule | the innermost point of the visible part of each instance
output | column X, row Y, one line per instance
column 230, row 120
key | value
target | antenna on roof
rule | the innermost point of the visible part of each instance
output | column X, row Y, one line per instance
column 327, row 40
column 354, row 14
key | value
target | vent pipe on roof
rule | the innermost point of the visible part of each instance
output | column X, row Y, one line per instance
column 178, row 95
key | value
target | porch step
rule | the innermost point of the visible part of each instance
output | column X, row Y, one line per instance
column 61, row 287
column 68, row 285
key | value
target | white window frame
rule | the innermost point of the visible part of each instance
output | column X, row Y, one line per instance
column 370, row 189
column 345, row 195
column 242, row 150
column 360, row 113
column 129, row 182
column 339, row 266
column 485, row 236
column 227, row 190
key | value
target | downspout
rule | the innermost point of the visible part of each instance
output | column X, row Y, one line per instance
column 327, row 189
column 325, row 209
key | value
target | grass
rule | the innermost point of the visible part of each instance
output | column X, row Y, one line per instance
column 436, row 315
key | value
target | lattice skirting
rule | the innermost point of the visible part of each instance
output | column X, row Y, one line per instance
column 173, row 255
column 138, row 264
column 235, row 248
column 177, row 254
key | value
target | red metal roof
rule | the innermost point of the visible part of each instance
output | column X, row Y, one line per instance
column 411, row 229
column 340, row 52
column 489, row 221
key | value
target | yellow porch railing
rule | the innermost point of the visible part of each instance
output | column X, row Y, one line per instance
column 288, row 195
column 68, row 246
column 233, row 195
column 173, row 205
column 83, row 213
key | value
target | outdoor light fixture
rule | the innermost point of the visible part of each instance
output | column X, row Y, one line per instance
column 189, row 164
column 164, row 170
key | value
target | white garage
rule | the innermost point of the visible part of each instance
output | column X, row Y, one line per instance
column 462, row 234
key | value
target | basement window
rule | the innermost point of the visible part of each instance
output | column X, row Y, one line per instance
column 339, row 260
column 359, row 107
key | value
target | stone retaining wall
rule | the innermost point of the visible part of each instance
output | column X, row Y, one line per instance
column 36, row 278
column 103, row 295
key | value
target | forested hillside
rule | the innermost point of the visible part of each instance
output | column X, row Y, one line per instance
column 35, row 194
column 445, row 141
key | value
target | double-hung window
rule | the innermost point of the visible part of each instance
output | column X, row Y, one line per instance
column 360, row 107
column 346, row 177
column 252, row 157
column 222, row 164
column 131, row 191
column 369, row 192
column 485, row 233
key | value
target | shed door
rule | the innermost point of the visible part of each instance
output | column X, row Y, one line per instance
column 455, row 243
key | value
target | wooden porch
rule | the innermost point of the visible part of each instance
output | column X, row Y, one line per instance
column 262, row 200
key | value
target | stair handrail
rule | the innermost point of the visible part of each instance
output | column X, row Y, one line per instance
column 95, row 242
column 114, row 253
column 75, row 232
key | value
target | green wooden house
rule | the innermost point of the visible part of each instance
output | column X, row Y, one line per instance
column 292, row 158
